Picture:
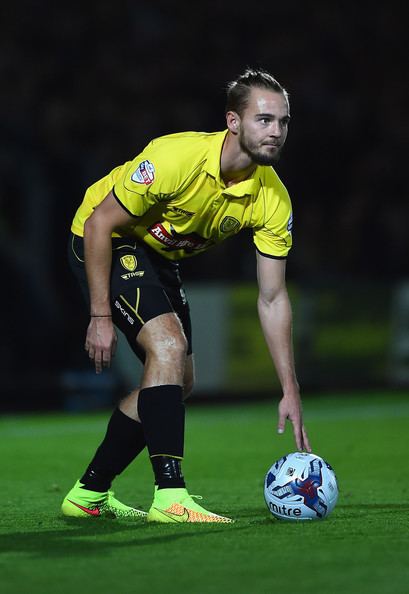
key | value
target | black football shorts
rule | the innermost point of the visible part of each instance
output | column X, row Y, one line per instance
column 144, row 285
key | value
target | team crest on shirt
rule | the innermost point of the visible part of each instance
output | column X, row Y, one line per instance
column 145, row 173
column 290, row 223
column 229, row 224
column 129, row 262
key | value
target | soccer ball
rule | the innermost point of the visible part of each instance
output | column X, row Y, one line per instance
column 301, row 486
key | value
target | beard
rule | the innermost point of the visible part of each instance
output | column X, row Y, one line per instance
column 256, row 153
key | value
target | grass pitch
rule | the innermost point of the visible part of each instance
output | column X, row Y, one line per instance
column 362, row 547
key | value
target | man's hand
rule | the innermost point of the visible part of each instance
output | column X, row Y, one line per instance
column 290, row 408
column 101, row 342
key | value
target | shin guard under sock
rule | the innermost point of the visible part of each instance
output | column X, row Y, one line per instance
column 162, row 414
column 123, row 441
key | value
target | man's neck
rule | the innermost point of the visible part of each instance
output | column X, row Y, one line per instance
column 235, row 164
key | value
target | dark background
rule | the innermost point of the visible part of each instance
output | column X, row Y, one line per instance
column 86, row 85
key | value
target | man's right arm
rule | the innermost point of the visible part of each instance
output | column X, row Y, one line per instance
column 101, row 336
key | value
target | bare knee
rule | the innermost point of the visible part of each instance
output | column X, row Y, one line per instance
column 169, row 352
column 165, row 346
column 163, row 338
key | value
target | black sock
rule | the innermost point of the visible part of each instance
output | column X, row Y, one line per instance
column 123, row 441
column 162, row 413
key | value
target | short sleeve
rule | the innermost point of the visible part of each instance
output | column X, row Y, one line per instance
column 274, row 238
column 144, row 182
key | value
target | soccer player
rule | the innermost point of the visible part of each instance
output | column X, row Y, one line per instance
column 182, row 195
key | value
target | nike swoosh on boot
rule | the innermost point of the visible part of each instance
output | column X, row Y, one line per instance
column 176, row 517
column 87, row 510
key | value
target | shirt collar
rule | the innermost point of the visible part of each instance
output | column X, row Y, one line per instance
column 212, row 167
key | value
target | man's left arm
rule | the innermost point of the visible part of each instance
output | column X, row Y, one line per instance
column 276, row 321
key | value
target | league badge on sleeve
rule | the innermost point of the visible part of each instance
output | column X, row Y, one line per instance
column 290, row 223
column 145, row 174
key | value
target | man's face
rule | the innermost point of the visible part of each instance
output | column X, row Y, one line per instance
column 263, row 126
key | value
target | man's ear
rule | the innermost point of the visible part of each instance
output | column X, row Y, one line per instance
column 233, row 121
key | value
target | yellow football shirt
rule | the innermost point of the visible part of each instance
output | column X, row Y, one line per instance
column 180, row 204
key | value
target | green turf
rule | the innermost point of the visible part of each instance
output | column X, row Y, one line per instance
column 362, row 547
